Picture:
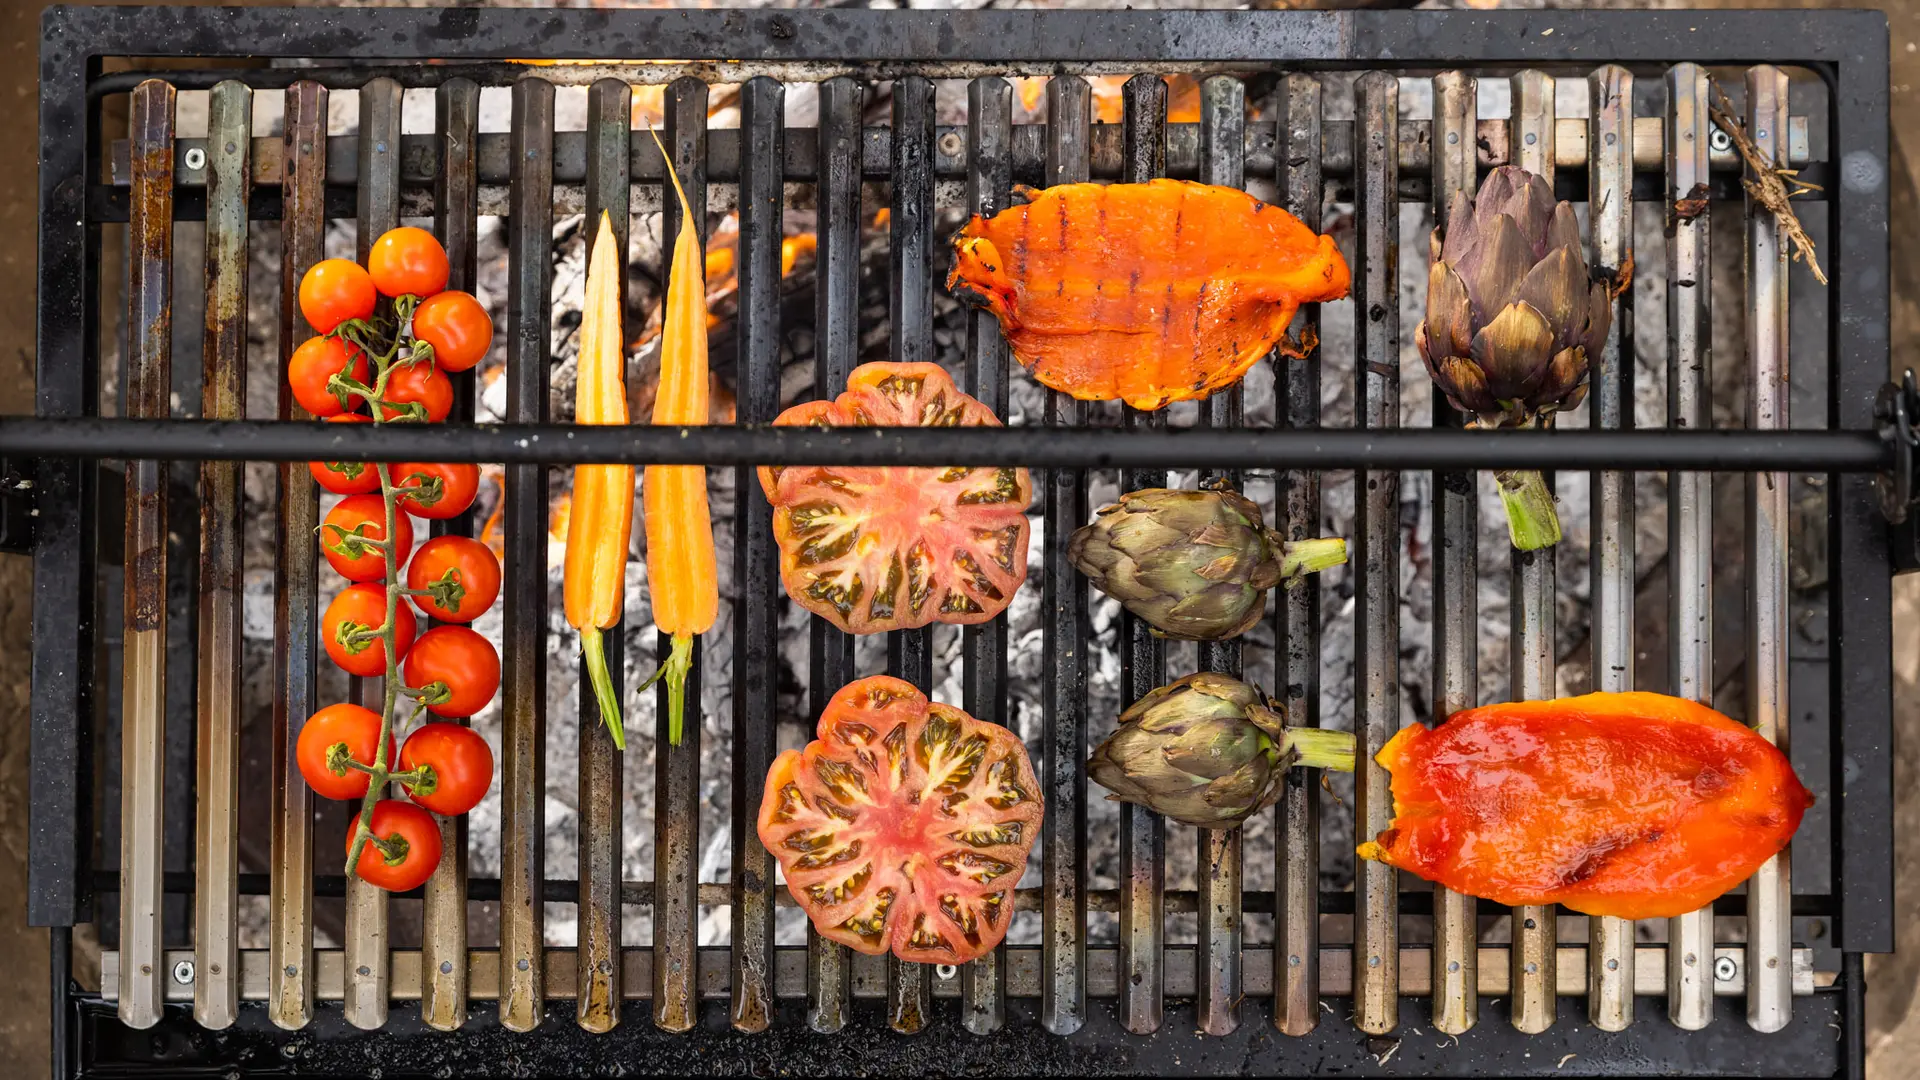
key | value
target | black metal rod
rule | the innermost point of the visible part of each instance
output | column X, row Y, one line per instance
column 1064, row 634
column 1406, row 449
column 676, row 769
column 983, row 990
column 836, row 349
column 756, row 623
column 910, row 310
column 523, row 686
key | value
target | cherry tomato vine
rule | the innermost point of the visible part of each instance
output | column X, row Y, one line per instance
column 392, row 365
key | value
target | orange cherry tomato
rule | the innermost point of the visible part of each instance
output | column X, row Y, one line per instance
column 445, row 490
column 333, row 291
column 457, row 327
column 462, row 765
column 413, row 831
column 407, row 261
column 423, row 383
column 346, row 477
column 359, row 608
column 462, row 661
column 354, row 731
column 470, row 568
column 365, row 517
column 313, row 363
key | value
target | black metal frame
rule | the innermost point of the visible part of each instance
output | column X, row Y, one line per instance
column 1848, row 49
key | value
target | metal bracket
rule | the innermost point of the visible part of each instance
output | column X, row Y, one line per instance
column 17, row 511
column 1896, row 408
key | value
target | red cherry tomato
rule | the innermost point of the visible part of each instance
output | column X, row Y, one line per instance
column 407, row 827
column 420, row 382
column 462, row 661
column 363, row 516
column 346, row 477
column 473, row 570
column 333, row 291
column 356, row 731
column 457, row 327
column 445, row 490
column 462, row 764
column 313, row 363
column 359, row 608
column 407, row 261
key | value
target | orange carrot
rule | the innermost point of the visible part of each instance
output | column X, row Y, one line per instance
column 680, row 555
column 600, row 518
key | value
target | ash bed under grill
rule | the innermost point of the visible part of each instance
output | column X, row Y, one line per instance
column 1209, row 952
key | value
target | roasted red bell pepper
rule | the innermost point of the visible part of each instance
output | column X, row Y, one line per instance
column 1637, row 805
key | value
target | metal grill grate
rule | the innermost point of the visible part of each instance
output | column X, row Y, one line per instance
column 1766, row 1003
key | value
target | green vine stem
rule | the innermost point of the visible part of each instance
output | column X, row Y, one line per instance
column 379, row 773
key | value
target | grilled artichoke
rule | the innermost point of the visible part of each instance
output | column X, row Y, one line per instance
column 1194, row 564
column 1513, row 317
column 1209, row 750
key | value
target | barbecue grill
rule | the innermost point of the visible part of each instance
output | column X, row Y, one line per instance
column 1375, row 980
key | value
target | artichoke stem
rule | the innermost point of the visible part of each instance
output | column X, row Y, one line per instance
column 1303, row 557
column 1531, row 519
column 1317, row 748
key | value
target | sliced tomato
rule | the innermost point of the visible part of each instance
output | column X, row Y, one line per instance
column 883, row 548
column 904, row 825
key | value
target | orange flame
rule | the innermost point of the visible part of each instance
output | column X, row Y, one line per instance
column 792, row 247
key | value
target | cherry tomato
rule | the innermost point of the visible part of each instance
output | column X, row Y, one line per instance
column 313, row 363
column 407, row 261
column 462, row 661
column 411, row 829
column 363, row 516
column 420, row 382
column 358, row 608
column 446, row 490
column 352, row 729
column 346, row 477
column 904, row 825
column 333, row 291
column 462, row 764
column 471, row 569
column 457, row 327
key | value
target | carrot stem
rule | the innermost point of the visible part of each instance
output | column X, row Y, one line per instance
column 679, row 663
column 596, row 657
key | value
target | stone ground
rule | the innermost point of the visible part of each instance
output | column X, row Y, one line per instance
column 1895, row 1027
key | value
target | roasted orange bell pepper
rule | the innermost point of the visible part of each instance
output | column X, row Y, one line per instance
column 1636, row 805
column 1148, row 293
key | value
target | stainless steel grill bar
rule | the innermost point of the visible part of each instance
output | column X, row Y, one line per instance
column 1376, row 561
column 1456, row 575
column 836, row 350
column 366, row 935
column 296, row 585
column 1028, row 148
column 609, row 120
column 1063, row 697
column 983, row 986
column 1223, row 121
column 756, row 580
column 443, row 988
column 1610, row 217
column 1024, row 972
column 1532, row 616
column 223, row 395
column 910, row 312
column 143, row 701
column 676, row 769
column 523, row 689
column 1142, row 652
column 1689, row 495
column 1770, row 892
column 1296, row 611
